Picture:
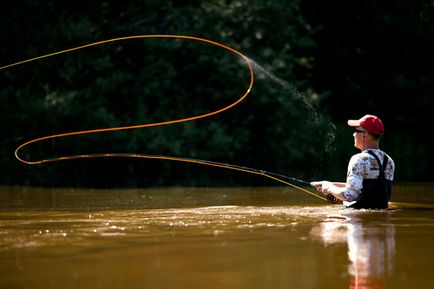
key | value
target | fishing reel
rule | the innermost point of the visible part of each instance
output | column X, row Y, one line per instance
column 331, row 199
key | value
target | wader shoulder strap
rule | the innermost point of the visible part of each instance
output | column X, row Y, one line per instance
column 381, row 167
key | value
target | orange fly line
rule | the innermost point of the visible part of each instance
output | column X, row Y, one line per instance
column 186, row 119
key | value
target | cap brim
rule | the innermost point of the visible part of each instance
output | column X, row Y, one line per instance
column 353, row 122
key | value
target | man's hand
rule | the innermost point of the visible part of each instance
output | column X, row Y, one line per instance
column 322, row 186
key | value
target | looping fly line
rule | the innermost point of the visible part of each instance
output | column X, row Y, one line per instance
column 186, row 119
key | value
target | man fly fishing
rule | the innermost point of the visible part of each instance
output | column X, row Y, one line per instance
column 370, row 172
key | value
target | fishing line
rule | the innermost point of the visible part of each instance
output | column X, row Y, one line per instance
column 274, row 176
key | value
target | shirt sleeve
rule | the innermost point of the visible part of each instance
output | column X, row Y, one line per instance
column 354, row 183
column 390, row 169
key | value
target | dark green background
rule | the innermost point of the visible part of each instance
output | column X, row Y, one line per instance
column 318, row 63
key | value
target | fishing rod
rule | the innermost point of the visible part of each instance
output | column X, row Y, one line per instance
column 275, row 176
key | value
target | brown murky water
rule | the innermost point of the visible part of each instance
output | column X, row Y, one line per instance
column 212, row 238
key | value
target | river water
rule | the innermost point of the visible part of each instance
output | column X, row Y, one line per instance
column 212, row 238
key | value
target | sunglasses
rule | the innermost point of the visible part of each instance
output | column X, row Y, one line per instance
column 359, row 131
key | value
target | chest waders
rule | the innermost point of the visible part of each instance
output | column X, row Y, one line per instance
column 375, row 192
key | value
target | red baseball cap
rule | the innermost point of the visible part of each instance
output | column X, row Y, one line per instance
column 370, row 123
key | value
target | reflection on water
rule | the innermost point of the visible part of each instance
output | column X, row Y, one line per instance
column 210, row 238
column 370, row 237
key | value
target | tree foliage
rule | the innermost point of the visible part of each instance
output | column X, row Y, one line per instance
column 150, row 80
column 303, row 73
